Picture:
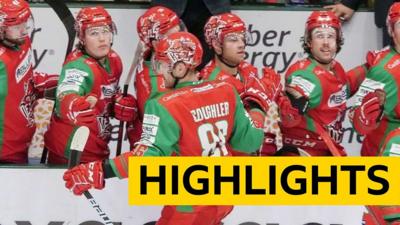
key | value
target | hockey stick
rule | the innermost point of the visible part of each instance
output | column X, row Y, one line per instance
column 68, row 20
column 327, row 139
column 373, row 210
column 78, row 143
column 136, row 59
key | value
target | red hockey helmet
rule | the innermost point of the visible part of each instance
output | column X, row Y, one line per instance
column 155, row 22
column 179, row 47
column 14, row 12
column 393, row 16
column 92, row 17
column 220, row 25
column 323, row 19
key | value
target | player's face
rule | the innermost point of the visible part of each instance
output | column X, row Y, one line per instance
column 396, row 34
column 97, row 41
column 323, row 45
column 234, row 48
column 17, row 33
column 163, row 68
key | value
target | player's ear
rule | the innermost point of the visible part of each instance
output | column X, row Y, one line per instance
column 180, row 69
column 308, row 42
column 217, row 47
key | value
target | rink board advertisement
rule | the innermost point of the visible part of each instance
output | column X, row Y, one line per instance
column 38, row 197
column 276, row 42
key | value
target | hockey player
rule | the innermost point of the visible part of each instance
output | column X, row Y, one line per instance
column 377, row 112
column 226, row 35
column 87, row 92
column 155, row 23
column 390, row 144
column 19, row 85
column 181, row 123
column 378, row 93
column 318, row 88
column 389, row 147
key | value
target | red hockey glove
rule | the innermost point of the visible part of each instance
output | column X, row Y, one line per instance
column 43, row 81
column 83, row 177
column 271, row 82
column 255, row 96
column 262, row 91
column 290, row 115
column 125, row 108
column 78, row 110
column 366, row 116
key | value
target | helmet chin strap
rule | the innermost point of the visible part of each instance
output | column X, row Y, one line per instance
column 224, row 61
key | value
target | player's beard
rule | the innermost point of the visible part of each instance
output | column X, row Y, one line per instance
column 231, row 62
column 14, row 42
column 18, row 41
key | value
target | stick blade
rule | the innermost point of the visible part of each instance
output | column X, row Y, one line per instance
column 78, row 143
column 80, row 138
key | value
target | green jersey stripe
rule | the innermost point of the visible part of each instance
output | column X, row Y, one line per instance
column 3, row 96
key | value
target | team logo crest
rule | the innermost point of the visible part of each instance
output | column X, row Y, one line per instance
column 181, row 50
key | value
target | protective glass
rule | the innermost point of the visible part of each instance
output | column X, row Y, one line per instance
column 97, row 32
column 244, row 36
column 324, row 34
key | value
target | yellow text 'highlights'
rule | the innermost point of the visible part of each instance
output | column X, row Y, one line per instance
column 264, row 181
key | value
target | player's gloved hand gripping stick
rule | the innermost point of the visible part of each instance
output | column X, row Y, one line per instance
column 136, row 59
column 77, row 145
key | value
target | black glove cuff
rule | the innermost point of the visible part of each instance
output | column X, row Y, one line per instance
column 301, row 104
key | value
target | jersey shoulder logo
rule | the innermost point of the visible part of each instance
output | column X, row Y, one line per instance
column 22, row 69
column 72, row 80
column 367, row 86
column 75, row 75
column 150, row 128
column 394, row 64
column 306, row 86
